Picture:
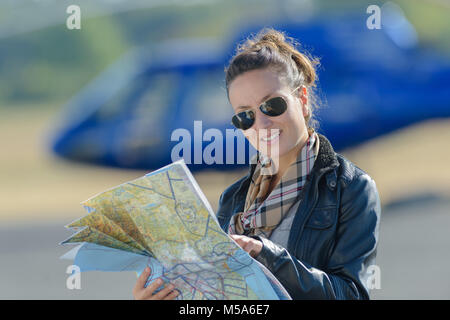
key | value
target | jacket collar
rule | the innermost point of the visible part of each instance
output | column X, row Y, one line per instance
column 326, row 158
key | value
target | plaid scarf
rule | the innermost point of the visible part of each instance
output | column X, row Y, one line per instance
column 263, row 211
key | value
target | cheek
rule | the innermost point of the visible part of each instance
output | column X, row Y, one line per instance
column 294, row 117
column 293, row 127
column 251, row 136
column 288, row 122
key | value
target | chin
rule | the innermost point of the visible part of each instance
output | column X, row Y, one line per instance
column 277, row 152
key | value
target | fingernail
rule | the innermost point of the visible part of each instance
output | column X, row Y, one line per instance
column 147, row 269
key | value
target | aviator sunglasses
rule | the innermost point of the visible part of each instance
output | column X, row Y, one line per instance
column 273, row 107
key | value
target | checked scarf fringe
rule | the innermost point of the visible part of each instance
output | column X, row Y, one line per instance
column 262, row 211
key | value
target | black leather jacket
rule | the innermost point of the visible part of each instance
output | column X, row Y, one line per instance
column 334, row 235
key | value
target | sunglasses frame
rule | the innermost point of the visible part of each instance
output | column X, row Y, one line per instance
column 260, row 108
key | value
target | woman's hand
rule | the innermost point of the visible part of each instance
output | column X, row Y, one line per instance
column 250, row 245
column 142, row 293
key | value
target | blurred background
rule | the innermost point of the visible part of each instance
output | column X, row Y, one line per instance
column 84, row 110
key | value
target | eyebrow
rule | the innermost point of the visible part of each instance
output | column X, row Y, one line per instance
column 260, row 102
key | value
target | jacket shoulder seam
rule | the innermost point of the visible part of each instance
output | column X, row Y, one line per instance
column 350, row 171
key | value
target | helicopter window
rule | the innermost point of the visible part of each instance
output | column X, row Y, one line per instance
column 154, row 99
column 117, row 105
column 142, row 127
column 208, row 101
column 144, row 97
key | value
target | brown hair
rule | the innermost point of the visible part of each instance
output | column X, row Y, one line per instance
column 272, row 49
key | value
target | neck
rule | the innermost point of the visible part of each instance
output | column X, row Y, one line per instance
column 286, row 160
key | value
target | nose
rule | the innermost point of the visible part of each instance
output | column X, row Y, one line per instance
column 262, row 121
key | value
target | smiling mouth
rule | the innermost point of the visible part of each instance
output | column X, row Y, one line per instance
column 272, row 137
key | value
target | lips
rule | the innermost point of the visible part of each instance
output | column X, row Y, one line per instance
column 275, row 134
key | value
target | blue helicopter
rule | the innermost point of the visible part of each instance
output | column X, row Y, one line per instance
column 371, row 82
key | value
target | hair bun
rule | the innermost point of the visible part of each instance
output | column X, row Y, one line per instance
column 286, row 46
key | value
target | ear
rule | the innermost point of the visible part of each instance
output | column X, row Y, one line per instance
column 304, row 100
column 304, row 95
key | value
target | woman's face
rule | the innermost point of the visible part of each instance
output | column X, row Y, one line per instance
column 272, row 136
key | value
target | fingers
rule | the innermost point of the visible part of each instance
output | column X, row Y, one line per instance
column 166, row 291
column 140, row 283
column 239, row 239
column 242, row 241
column 140, row 292
column 249, row 245
column 172, row 295
column 148, row 292
column 143, row 278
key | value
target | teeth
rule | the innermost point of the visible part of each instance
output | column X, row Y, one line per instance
column 271, row 137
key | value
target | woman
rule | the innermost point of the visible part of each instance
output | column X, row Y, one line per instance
column 305, row 212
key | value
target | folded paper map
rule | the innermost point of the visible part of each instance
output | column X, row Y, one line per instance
column 163, row 220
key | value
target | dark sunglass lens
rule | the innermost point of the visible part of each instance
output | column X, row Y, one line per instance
column 274, row 107
column 243, row 120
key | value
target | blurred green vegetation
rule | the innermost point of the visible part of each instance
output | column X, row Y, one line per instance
column 53, row 63
column 46, row 64
column 431, row 20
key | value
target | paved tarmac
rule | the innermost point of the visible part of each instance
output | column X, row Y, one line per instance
column 413, row 257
